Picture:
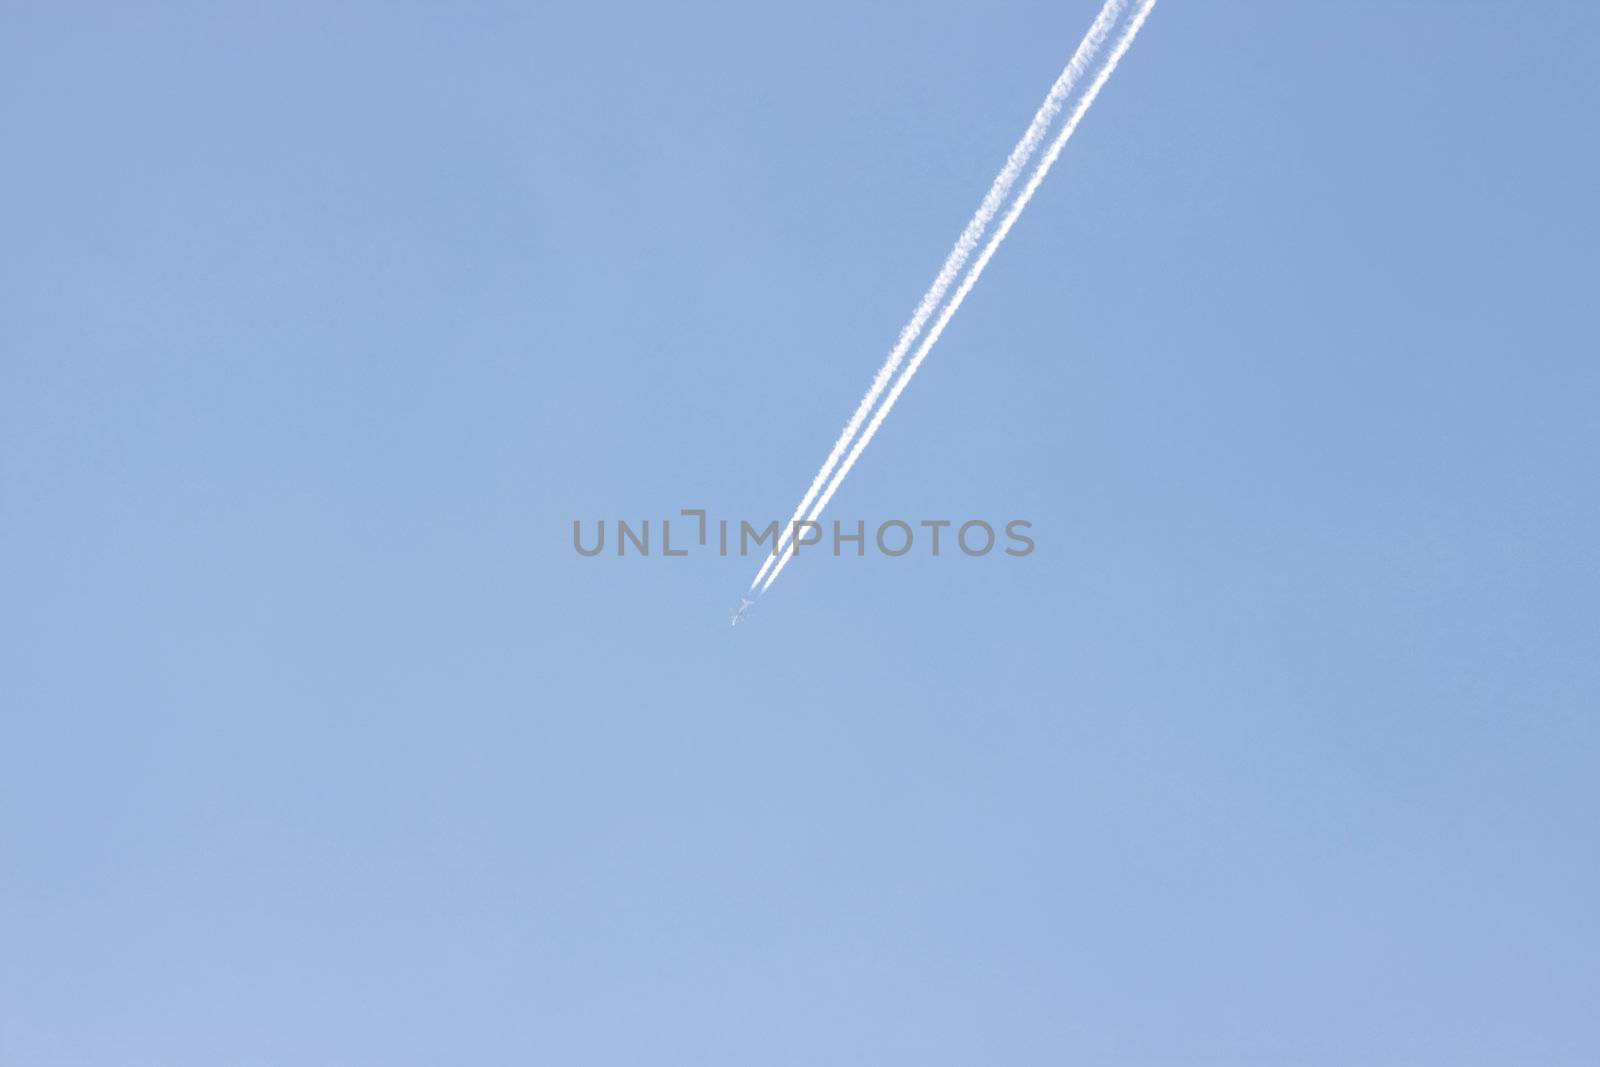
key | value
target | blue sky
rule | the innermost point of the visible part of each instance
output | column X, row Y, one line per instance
column 320, row 745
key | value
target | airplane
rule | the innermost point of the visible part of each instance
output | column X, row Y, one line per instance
column 744, row 606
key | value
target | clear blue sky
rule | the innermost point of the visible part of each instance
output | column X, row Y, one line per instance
column 319, row 745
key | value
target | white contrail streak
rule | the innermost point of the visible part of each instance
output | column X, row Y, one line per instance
column 998, row 191
column 1118, row 50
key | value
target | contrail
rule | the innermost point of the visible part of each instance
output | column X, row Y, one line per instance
column 1118, row 50
column 998, row 191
